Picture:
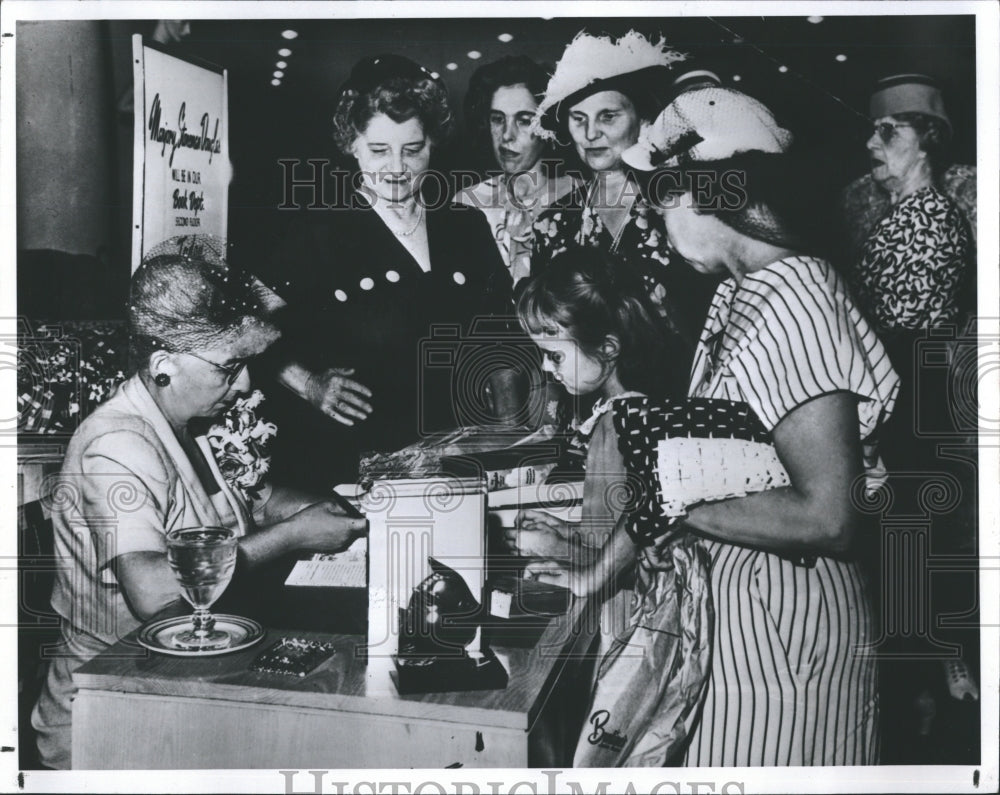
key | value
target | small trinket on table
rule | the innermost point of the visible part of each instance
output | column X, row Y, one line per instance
column 293, row 657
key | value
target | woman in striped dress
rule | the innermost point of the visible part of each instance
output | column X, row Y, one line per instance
column 791, row 682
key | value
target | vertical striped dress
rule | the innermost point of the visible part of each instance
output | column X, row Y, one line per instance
column 790, row 683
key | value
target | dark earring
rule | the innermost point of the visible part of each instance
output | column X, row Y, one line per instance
column 161, row 379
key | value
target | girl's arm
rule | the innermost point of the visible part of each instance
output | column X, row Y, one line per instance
column 588, row 572
column 818, row 444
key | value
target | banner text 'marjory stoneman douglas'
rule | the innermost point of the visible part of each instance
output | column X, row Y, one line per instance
column 180, row 138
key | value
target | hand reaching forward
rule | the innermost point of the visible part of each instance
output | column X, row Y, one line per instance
column 338, row 396
column 538, row 534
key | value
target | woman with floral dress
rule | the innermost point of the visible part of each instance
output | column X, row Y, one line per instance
column 600, row 93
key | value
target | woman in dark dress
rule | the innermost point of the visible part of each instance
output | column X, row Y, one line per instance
column 381, row 296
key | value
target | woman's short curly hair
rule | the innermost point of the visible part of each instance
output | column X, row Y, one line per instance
column 399, row 98
column 179, row 303
column 934, row 137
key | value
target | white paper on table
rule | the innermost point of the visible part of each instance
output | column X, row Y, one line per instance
column 345, row 569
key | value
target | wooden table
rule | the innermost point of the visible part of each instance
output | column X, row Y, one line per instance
column 138, row 710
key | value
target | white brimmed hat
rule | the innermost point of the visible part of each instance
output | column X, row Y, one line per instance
column 709, row 123
column 631, row 64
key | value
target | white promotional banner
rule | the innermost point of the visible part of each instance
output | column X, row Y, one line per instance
column 181, row 168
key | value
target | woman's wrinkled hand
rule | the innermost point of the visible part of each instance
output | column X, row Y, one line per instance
column 323, row 527
column 538, row 534
column 338, row 396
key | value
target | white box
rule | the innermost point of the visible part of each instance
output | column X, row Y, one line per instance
column 408, row 522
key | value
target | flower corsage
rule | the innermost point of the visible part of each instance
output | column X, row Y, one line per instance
column 240, row 445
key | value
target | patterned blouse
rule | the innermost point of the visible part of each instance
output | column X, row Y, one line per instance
column 573, row 221
column 511, row 223
column 864, row 204
column 912, row 267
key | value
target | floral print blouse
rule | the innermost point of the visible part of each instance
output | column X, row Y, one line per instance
column 642, row 240
column 912, row 268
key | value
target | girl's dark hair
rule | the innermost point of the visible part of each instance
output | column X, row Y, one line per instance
column 399, row 98
column 588, row 294
column 934, row 137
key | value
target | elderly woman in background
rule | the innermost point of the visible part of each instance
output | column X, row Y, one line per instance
column 194, row 329
column 866, row 200
column 499, row 108
column 915, row 262
column 365, row 284
column 916, row 272
column 783, row 336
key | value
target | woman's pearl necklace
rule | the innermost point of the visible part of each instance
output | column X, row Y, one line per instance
column 413, row 229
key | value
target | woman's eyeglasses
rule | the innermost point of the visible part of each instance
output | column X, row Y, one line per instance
column 232, row 371
column 887, row 130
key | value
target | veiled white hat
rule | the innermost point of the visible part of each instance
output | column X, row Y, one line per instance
column 709, row 123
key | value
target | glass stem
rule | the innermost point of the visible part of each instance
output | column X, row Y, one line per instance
column 203, row 621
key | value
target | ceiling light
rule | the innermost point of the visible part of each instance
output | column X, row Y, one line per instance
column 435, row 75
column 284, row 52
column 841, row 57
column 451, row 67
column 278, row 73
column 475, row 55
column 782, row 68
column 736, row 78
column 289, row 34
column 814, row 20
column 505, row 38
column 275, row 82
column 281, row 65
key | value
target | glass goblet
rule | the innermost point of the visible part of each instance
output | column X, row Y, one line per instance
column 202, row 559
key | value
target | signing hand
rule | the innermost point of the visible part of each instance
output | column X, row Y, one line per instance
column 538, row 534
column 323, row 527
column 338, row 396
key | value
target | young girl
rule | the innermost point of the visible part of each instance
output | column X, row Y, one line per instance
column 599, row 335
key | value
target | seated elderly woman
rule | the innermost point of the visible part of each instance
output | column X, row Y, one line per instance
column 137, row 468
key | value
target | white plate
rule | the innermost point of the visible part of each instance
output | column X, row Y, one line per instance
column 158, row 636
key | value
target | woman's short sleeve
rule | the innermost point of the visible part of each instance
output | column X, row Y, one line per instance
column 803, row 337
column 124, row 488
